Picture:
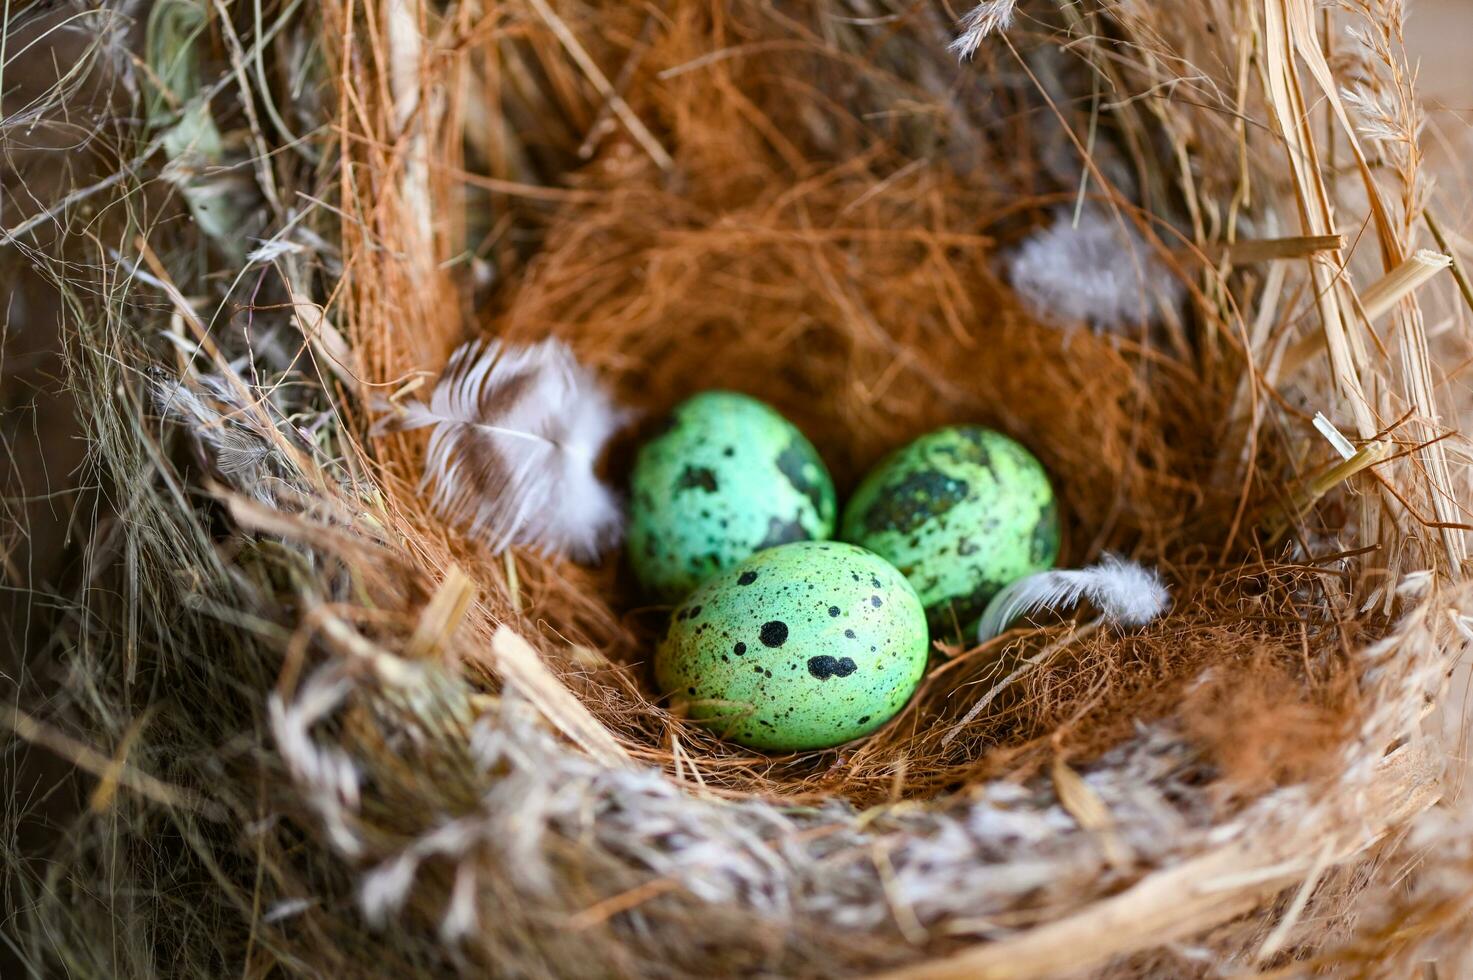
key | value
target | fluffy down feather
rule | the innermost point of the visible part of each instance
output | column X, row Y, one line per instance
column 517, row 432
column 1100, row 271
column 1126, row 594
column 977, row 24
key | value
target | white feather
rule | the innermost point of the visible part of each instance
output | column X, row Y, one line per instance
column 1125, row 593
column 518, row 431
column 1100, row 271
column 977, row 24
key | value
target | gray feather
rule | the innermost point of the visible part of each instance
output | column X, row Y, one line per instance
column 1099, row 271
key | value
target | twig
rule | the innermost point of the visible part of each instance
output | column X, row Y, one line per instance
column 519, row 665
column 443, row 613
column 590, row 68
column 1281, row 518
column 1376, row 301
column 1250, row 251
column 1459, row 276
column 1090, row 812
column 603, row 122
column 1382, row 296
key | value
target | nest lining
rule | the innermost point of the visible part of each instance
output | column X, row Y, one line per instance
column 815, row 206
column 803, row 257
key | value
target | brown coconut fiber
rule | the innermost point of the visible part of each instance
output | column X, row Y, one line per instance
column 326, row 733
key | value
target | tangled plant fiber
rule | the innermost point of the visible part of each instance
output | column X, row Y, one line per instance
column 329, row 731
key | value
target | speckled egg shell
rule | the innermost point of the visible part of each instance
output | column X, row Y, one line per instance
column 728, row 478
column 799, row 647
column 962, row 512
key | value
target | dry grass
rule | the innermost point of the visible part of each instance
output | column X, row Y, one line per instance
column 350, row 770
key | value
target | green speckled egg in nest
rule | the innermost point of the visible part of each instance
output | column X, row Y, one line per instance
column 799, row 647
column 962, row 512
column 727, row 478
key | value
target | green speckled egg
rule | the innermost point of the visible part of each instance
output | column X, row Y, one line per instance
column 799, row 647
column 962, row 512
column 728, row 478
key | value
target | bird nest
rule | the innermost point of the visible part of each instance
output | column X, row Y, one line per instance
column 343, row 736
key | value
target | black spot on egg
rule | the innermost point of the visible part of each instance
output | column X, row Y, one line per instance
column 849, row 634
column 739, row 649
column 823, row 667
column 774, row 634
column 746, row 578
column 696, row 478
column 833, row 610
column 875, row 601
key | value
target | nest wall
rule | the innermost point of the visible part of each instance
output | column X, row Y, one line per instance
column 381, row 750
